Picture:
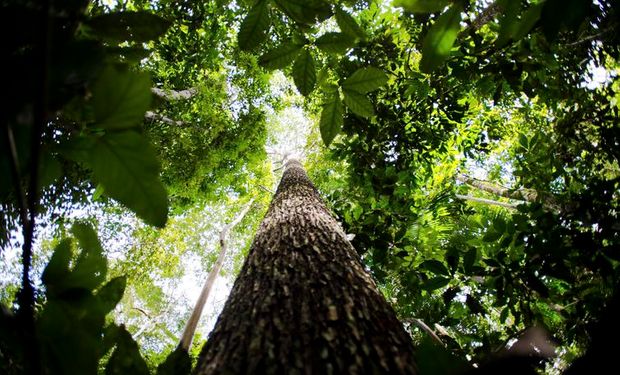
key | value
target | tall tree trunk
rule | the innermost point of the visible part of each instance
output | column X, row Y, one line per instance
column 303, row 302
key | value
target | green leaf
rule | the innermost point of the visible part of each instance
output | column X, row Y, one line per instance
column 111, row 293
column 509, row 22
column 499, row 225
column 126, row 358
column 365, row 80
column 491, row 236
column 91, row 265
column 331, row 118
column 528, row 20
column 253, row 29
column 58, row 267
column 435, row 267
column 435, row 283
column 422, row 6
column 435, row 359
column 358, row 103
column 469, row 259
column 280, row 57
column 120, row 98
column 305, row 12
column 304, row 73
column 438, row 42
column 126, row 165
column 138, row 26
column 348, row 25
column 177, row 363
column 337, row 43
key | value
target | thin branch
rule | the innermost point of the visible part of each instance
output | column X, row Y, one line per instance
column 487, row 201
column 150, row 115
column 420, row 324
column 192, row 323
column 174, row 95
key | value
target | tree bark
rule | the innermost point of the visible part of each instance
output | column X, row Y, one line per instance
column 192, row 323
column 303, row 302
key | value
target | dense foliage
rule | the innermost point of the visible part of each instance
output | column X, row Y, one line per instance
column 471, row 148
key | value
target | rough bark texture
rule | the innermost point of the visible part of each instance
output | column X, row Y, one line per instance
column 303, row 303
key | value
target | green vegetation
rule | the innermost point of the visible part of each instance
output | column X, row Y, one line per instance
column 471, row 148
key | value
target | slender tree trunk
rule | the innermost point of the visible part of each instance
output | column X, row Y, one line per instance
column 192, row 323
column 303, row 302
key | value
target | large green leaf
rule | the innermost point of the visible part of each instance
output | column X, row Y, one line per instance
column 358, row 103
column 58, row 267
column 440, row 39
column 348, row 25
column 335, row 42
column 509, row 22
column 331, row 118
column 435, row 267
column 435, row 283
column 177, row 363
column 111, row 293
column 253, row 29
column 126, row 165
column 126, row 358
column 365, row 80
column 138, row 26
column 304, row 73
column 91, row 265
column 120, row 98
column 280, row 57
column 422, row 6
column 305, row 12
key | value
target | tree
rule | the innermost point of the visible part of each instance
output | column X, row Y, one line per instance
column 303, row 300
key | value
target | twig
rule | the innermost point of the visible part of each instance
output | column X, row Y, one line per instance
column 420, row 324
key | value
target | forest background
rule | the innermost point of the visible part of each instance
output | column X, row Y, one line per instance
column 469, row 148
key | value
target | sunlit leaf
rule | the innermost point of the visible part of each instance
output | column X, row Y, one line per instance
column 438, row 42
column 358, row 103
column 304, row 73
column 349, row 25
column 120, row 98
column 335, row 42
column 305, row 12
column 422, row 6
column 365, row 80
column 126, row 165
column 253, row 29
column 331, row 118
column 281, row 56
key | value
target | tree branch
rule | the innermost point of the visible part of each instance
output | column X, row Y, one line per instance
column 150, row 115
column 420, row 324
column 526, row 195
column 174, row 95
column 486, row 201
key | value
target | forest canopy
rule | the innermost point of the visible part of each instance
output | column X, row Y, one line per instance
column 469, row 148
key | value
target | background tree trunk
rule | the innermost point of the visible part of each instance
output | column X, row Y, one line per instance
column 303, row 303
